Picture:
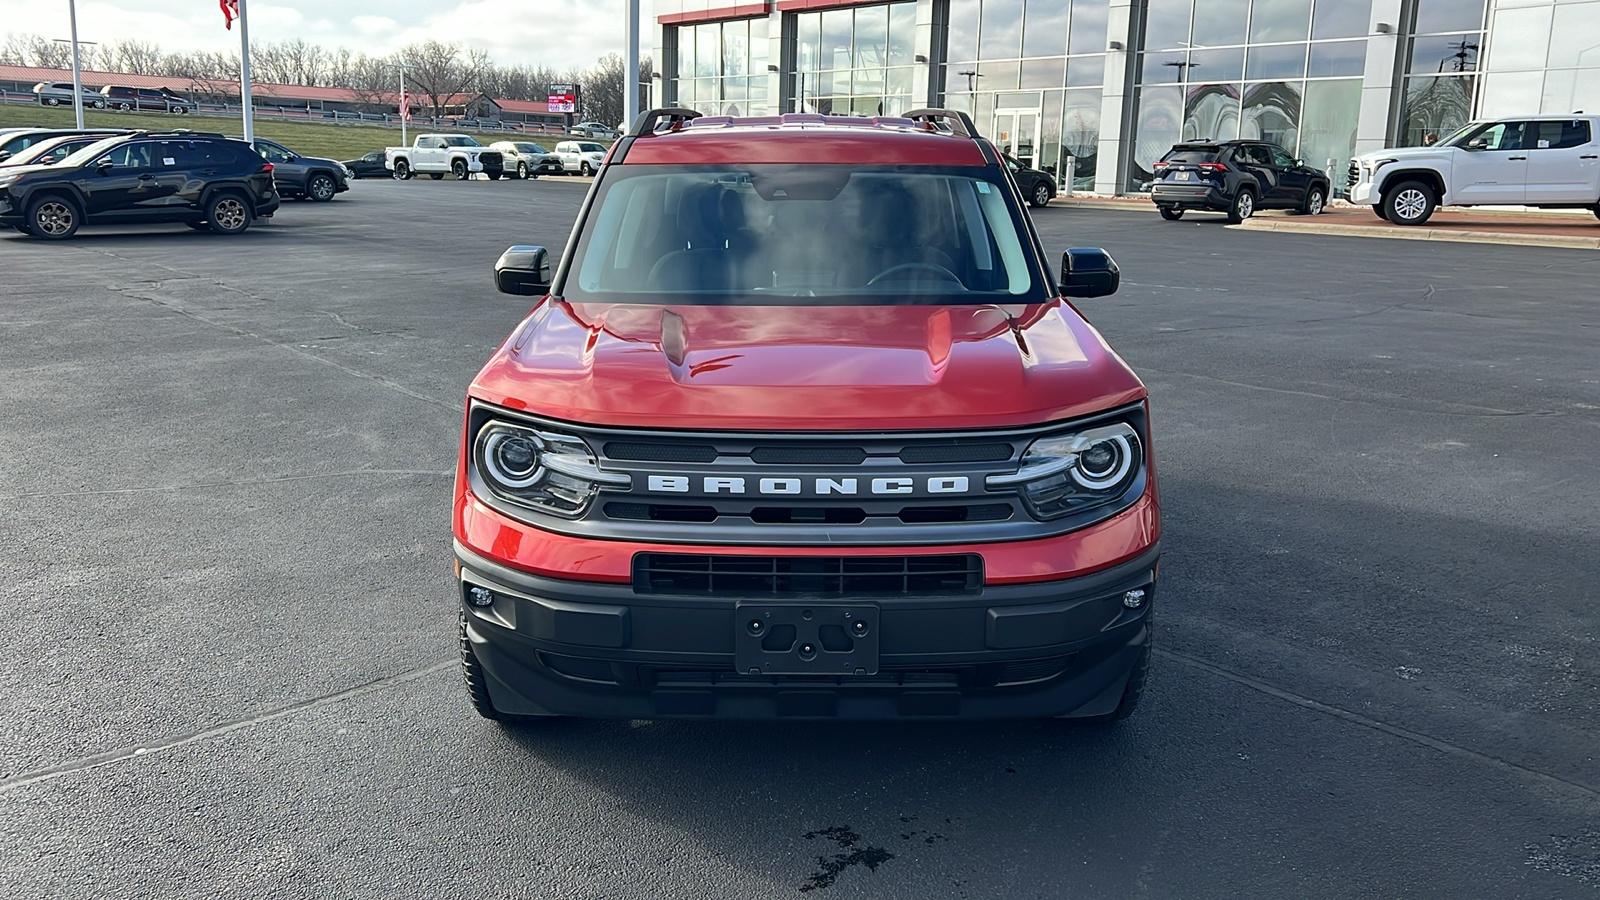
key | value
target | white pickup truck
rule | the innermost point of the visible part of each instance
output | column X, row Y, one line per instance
column 1551, row 162
column 438, row 155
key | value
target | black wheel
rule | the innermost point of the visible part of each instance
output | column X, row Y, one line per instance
column 459, row 169
column 99, row 104
column 1409, row 203
column 522, row 171
column 1243, row 206
column 436, row 176
column 1131, row 694
column 402, row 170
column 53, row 218
column 1316, row 200
column 586, row 170
column 1170, row 214
column 1378, row 211
column 124, row 107
column 472, row 673
column 52, row 101
column 321, row 187
column 1596, row 212
column 228, row 213
column 1041, row 195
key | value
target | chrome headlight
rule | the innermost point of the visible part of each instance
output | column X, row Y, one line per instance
column 543, row 470
column 1067, row 473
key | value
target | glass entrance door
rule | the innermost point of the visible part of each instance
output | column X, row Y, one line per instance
column 1016, row 131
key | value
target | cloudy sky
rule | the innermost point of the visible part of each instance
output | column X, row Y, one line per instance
column 558, row 33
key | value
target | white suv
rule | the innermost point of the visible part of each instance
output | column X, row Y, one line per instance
column 1543, row 161
column 583, row 157
column 59, row 93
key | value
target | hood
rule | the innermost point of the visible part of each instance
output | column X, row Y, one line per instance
column 29, row 169
column 1408, row 154
column 806, row 367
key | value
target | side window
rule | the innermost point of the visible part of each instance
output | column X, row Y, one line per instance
column 272, row 152
column 135, row 155
column 1557, row 135
column 1281, row 158
column 1497, row 136
column 1012, row 164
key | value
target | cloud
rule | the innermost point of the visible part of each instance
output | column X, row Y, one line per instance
column 556, row 33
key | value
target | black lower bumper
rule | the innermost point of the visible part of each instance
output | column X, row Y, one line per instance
column 558, row 647
column 1196, row 197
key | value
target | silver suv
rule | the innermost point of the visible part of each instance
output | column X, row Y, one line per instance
column 59, row 93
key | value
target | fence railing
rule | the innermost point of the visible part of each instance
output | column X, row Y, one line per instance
column 337, row 117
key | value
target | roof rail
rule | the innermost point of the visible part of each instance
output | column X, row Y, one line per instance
column 958, row 122
column 647, row 122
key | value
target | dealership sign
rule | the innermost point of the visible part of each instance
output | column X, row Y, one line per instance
column 563, row 98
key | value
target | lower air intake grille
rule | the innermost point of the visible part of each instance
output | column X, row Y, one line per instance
column 807, row 576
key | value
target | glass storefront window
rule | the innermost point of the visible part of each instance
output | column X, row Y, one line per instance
column 871, row 36
column 1159, row 125
column 1043, row 73
column 1044, row 30
column 1087, row 30
column 735, row 47
column 962, row 43
column 1166, row 24
column 1003, row 76
column 1080, row 136
column 1163, row 68
column 1211, row 113
column 1434, row 16
column 1328, row 127
column 836, row 39
column 1000, row 33
column 1226, row 64
column 1221, row 22
column 1434, row 105
column 1341, row 18
column 1086, row 70
column 1337, row 58
column 1441, row 53
column 1280, row 20
column 1271, row 112
column 708, row 49
column 902, row 33
column 1282, row 61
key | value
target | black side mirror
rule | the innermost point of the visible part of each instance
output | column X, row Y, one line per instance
column 523, row 270
column 1089, row 272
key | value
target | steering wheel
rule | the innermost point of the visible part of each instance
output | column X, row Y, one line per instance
column 939, row 273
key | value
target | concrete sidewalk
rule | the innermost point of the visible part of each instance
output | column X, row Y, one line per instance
column 1574, row 229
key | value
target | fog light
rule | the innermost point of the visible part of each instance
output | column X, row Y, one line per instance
column 1133, row 599
column 483, row 596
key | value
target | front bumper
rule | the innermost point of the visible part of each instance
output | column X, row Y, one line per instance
column 554, row 646
column 1364, row 193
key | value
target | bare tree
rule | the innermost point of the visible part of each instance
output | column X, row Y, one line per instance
column 440, row 70
column 133, row 57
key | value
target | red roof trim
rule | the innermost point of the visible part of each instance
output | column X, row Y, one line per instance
column 742, row 11
column 797, row 5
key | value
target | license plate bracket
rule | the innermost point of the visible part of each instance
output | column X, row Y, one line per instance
column 805, row 639
column 1183, row 176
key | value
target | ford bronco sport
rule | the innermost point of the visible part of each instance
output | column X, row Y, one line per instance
column 788, row 437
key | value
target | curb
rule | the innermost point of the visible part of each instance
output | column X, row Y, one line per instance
column 1421, row 234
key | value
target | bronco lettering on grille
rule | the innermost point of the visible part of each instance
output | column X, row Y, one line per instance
column 682, row 484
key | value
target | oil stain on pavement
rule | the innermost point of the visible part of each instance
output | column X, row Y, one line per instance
column 829, row 868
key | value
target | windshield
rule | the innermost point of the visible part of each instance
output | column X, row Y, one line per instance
column 92, row 152
column 528, row 148
column 46, row 152
column 772, row 233
column 592, row 148
column 460, row 140
column 1458, row 134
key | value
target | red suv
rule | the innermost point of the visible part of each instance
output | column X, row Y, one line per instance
column 129, row 98
column 789, row 437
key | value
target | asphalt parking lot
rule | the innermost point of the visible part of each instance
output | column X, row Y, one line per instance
column 230, row 664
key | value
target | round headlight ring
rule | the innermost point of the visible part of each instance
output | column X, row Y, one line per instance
column 1105, row 463
column 512, row 458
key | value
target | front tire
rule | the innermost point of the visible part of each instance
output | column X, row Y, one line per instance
column 228, row 213
column 1243, row 206
column 1131, row 694
column 1170, row 214
column 52, row 101
column 1409, row 203
column 402, row 170
column 459, row 169
column 522, row 171
column 585, row 170
column 1316, row 201
column 53, row 218
column 1378, row 211
column 472, row 673
column 124, row 106
column 1041, row 195
column 321, row 187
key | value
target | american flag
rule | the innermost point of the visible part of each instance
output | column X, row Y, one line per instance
column 230, row 11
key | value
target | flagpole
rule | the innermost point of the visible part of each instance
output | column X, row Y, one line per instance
column 403, row 104
column 244, row 75
column 77, row 72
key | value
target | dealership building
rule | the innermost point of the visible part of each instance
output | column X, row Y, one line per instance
column 1102, row 88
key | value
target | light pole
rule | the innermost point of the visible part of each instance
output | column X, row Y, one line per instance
column 77, row 70
column 630, row 81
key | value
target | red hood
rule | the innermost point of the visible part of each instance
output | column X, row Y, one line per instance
column 810, row 368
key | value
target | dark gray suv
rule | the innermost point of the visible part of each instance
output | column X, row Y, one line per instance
column 304, row 176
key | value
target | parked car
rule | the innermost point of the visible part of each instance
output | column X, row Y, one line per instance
column 303, row 176
column 1552, row 162
column 595, row 130
column 23, row 138
column 50, row 151
column 59, row 93
column 128, row 98
column 525, row 159
column 436, row 155
column 1037, row 187
column 1236, row 178
column 583, row 157
column 711, row 476
column 368, row 165
column 202, row 180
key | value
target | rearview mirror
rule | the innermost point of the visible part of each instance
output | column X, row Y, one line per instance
column 523, row 270
column 1089, row 272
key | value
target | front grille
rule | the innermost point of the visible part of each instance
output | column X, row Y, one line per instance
column 955, row 453
column 692, row 453
column 807, row 576
column 1354, row 175
column 809, row 456
column 831, row 515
